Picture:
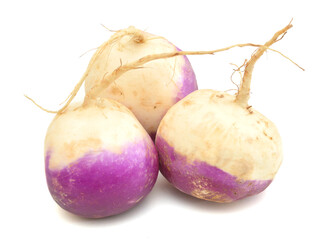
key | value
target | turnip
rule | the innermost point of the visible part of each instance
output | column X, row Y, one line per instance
column 214, row 146
column 150, row 92
column 99, row 160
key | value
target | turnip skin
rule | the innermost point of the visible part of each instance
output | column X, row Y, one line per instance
column 187, row 82
column 212, row 148
column 202, row 180
column 149, row 91
column 99, row 168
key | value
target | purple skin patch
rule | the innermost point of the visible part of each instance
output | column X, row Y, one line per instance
column 202, row 180
column 102, row 184
column 188, row 81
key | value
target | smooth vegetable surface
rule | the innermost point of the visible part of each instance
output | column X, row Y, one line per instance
column 216, row 147
column 99, row 160
column 150, row 90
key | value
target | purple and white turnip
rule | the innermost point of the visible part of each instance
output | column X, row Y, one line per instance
column 214, row 146
column 99, row 160
column 148, row 93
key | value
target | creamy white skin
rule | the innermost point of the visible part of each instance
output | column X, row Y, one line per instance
column 209, row 126
column 81, row 130
column 148, row 92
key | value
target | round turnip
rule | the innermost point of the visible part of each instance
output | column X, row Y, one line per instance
column 214, row 146
column 151, row 91
column 99, row 160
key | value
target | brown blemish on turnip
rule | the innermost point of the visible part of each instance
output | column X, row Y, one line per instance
column 267, row 135
column 114, row 90
column 157, row 104
column 187, row 103
column 200, row 191
column 249, row 109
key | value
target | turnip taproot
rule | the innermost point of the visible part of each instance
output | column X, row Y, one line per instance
column 216, row 147
column 151, row 91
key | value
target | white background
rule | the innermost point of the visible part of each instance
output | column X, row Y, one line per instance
column 40, row 47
